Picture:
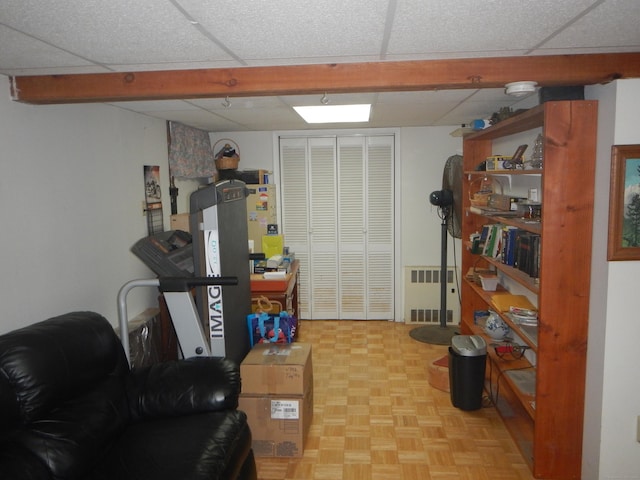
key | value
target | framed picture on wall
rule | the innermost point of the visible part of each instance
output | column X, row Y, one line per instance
column 624, row 204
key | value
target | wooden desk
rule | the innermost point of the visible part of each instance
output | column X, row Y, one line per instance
column 283, row 290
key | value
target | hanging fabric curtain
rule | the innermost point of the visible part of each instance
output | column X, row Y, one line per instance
column 190, row 154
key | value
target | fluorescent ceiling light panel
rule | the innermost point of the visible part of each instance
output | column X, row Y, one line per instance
column 335, row 113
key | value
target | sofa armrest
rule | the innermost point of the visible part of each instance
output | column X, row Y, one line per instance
column 181, row 387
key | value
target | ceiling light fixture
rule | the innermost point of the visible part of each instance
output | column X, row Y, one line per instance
column 335, row 113
column 520, row 89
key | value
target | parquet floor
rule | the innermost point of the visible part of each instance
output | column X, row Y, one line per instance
column 377, row 418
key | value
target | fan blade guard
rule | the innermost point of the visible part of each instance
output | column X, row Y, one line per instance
column 452, row 180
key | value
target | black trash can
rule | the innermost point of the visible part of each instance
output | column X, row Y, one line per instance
column 467, row 364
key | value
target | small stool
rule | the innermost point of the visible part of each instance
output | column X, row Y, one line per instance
column 439, row 373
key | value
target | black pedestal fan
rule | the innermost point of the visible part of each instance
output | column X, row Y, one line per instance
column 449, row 203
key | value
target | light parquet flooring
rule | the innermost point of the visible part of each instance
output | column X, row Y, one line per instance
column 377, row 418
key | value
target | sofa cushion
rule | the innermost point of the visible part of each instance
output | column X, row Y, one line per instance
column 45, row 364
column 181, row 387
column 73, row 436
column 193, row 447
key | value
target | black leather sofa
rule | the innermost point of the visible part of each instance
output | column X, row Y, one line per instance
column 70, row 408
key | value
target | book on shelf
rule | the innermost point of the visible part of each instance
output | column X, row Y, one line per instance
column 527, row 257
column 482, row 239
column 535, row 261
column 507, row 254
column 494, row 240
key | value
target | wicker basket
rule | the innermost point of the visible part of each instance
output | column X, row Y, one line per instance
column 480, row 199
column 481, row 189
column 228, row 157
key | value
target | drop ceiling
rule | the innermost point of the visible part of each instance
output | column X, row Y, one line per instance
column 39, row 37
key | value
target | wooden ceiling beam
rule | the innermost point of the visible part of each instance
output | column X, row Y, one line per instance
column 555, row 70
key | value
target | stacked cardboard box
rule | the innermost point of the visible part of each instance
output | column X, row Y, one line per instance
column 277, row 395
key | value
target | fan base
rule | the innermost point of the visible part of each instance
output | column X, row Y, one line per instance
column 434, row 334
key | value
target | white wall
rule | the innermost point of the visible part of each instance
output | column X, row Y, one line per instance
column 613, row 391
column 425, row 151
column 71, row 192
column 599, row 280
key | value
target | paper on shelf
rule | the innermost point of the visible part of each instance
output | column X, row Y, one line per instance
column 503, row 301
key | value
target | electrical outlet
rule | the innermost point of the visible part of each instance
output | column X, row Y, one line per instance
column 144, row 208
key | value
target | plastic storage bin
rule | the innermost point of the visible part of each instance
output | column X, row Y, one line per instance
column 467, row 364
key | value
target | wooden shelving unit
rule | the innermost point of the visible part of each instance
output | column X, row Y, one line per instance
column 545, row 417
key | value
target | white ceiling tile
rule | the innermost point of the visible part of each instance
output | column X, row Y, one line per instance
column 117, row 31
column 291, row 29
column 157, row 106
column 474, row 26
column 22, row 52
column 186, row 65
column 594, row 30
column 407, row 114
column 196, row 118
column 584, row 50
column 82, row 36
column 310, row 60
column 262, row 115
column 238, row 102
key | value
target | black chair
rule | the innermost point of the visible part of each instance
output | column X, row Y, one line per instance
column 70, row 407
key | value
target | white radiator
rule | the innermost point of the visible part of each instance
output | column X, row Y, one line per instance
column 422, row 296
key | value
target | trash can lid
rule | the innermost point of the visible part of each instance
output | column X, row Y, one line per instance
column 469, row 345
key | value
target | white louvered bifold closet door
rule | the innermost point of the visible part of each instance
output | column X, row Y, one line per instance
column 352, row 223
column 337, row 215
column 323, row 234
column 380, row 232
column 295, row 212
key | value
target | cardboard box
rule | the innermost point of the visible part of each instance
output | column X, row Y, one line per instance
column 496, row 162
column 279, row 423
column 180, row 221
column 277, row 396
column 504, row 202
column 277, row 369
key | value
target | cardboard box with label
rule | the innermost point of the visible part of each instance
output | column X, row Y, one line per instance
column 180, row 221
column 277, row 396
